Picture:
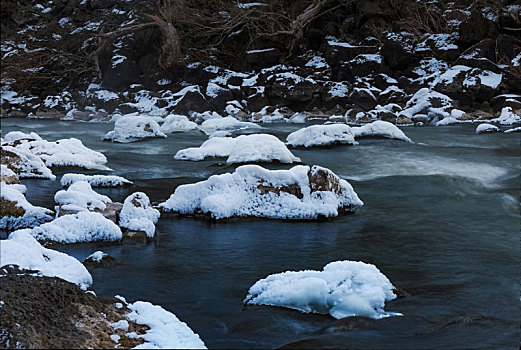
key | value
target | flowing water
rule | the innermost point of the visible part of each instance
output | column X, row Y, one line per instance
column 441, row 220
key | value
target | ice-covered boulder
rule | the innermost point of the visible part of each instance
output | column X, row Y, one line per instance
column 94, row 180
column 321, row 135
column 508, row 116
column 24, row 164
column 63, row 152
column 177, row 123
column 342, row 289
column 16, row 212
column 23, row 250
column 210, row 126
column 241, row 149
column 486, row 128
column 138, row 214
column 84, row 226
column 134, row 128
column 380, row 128
column 80, row 197
column 298, row 193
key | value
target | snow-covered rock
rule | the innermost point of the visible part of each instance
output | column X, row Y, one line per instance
column 177, row 123
column 298, row 193
column 84, row 226
column 97, row 259
column 321, row 135
column 241, row 149
column 508, row 117
column 64, row 152
column 518, row 129
column 24, row 164
column 138, row 214
column 134, row 128
column 428, row 104
column 227, row 123
column 16, row 212
column 165, row 331
column 486, row 128
column 80, row 197
column 380, row 128
column 94, row 180
column 342, row 289
column 23, row 250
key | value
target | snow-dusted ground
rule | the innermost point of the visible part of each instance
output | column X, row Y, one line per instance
column 342, row 289
column 138, row 214
column 241, row 149
column 23, row 250
column 134, row 128
column 166, row 330
column 254, row 191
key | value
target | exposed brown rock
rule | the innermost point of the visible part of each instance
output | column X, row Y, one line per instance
column 292, row 189
column 9, row 208
column 323, row 180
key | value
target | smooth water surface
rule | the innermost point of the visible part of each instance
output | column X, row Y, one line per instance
column 441, row 221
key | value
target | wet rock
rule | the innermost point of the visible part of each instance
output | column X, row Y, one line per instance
column 111, row 211
column 131, row 236
column 99, row 259
column 192, row 101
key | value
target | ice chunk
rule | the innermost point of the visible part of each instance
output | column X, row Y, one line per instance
column 342, row 289
column 298, row 193
column 321, row 135
column 23, row 250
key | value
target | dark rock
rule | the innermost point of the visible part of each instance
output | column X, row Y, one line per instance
column 383, row 81
column 192, row 101
column 476, row 28
column 480, row 55
column 105, row 260
column 293, row 91
column 131, row 236
column 336, row 53
column 361, row 65
column 508, row 100
column 218, row 96
column 363, row 98
column 257, row 100
column 507, row 47
column 398, row 51
column 120, row 76
column 262, row 58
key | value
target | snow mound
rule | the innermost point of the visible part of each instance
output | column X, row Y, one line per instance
column 94, row 180
column 64, row 152
column 177, row 123
column 80, row 197
column 486, row 128
column 428, row 102
column 134, row 128
column 23, row 250
column 25, row 164
column 138, row 215
column 227, row 124
column 380, row 128
column 298, row 193
column 321, row 135
column 84, row 226
column 17, row 212
column 241, row 149
column 166, row 330
column 518, row 129
column 342, row 289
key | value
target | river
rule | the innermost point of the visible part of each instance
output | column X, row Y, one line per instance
column 441, row 220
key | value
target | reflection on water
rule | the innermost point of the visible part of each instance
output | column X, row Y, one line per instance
column 441, row 220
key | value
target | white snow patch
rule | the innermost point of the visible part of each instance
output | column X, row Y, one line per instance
column 507, row 117
column 485, row 128
column 94, row 180
column 97, row 256
column 380, row 128
column 21, row 249
column 80, row 197
column 342, row 289
column 227, row 123
column 177, row 123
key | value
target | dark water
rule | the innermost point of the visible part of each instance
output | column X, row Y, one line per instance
column 441, row 221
